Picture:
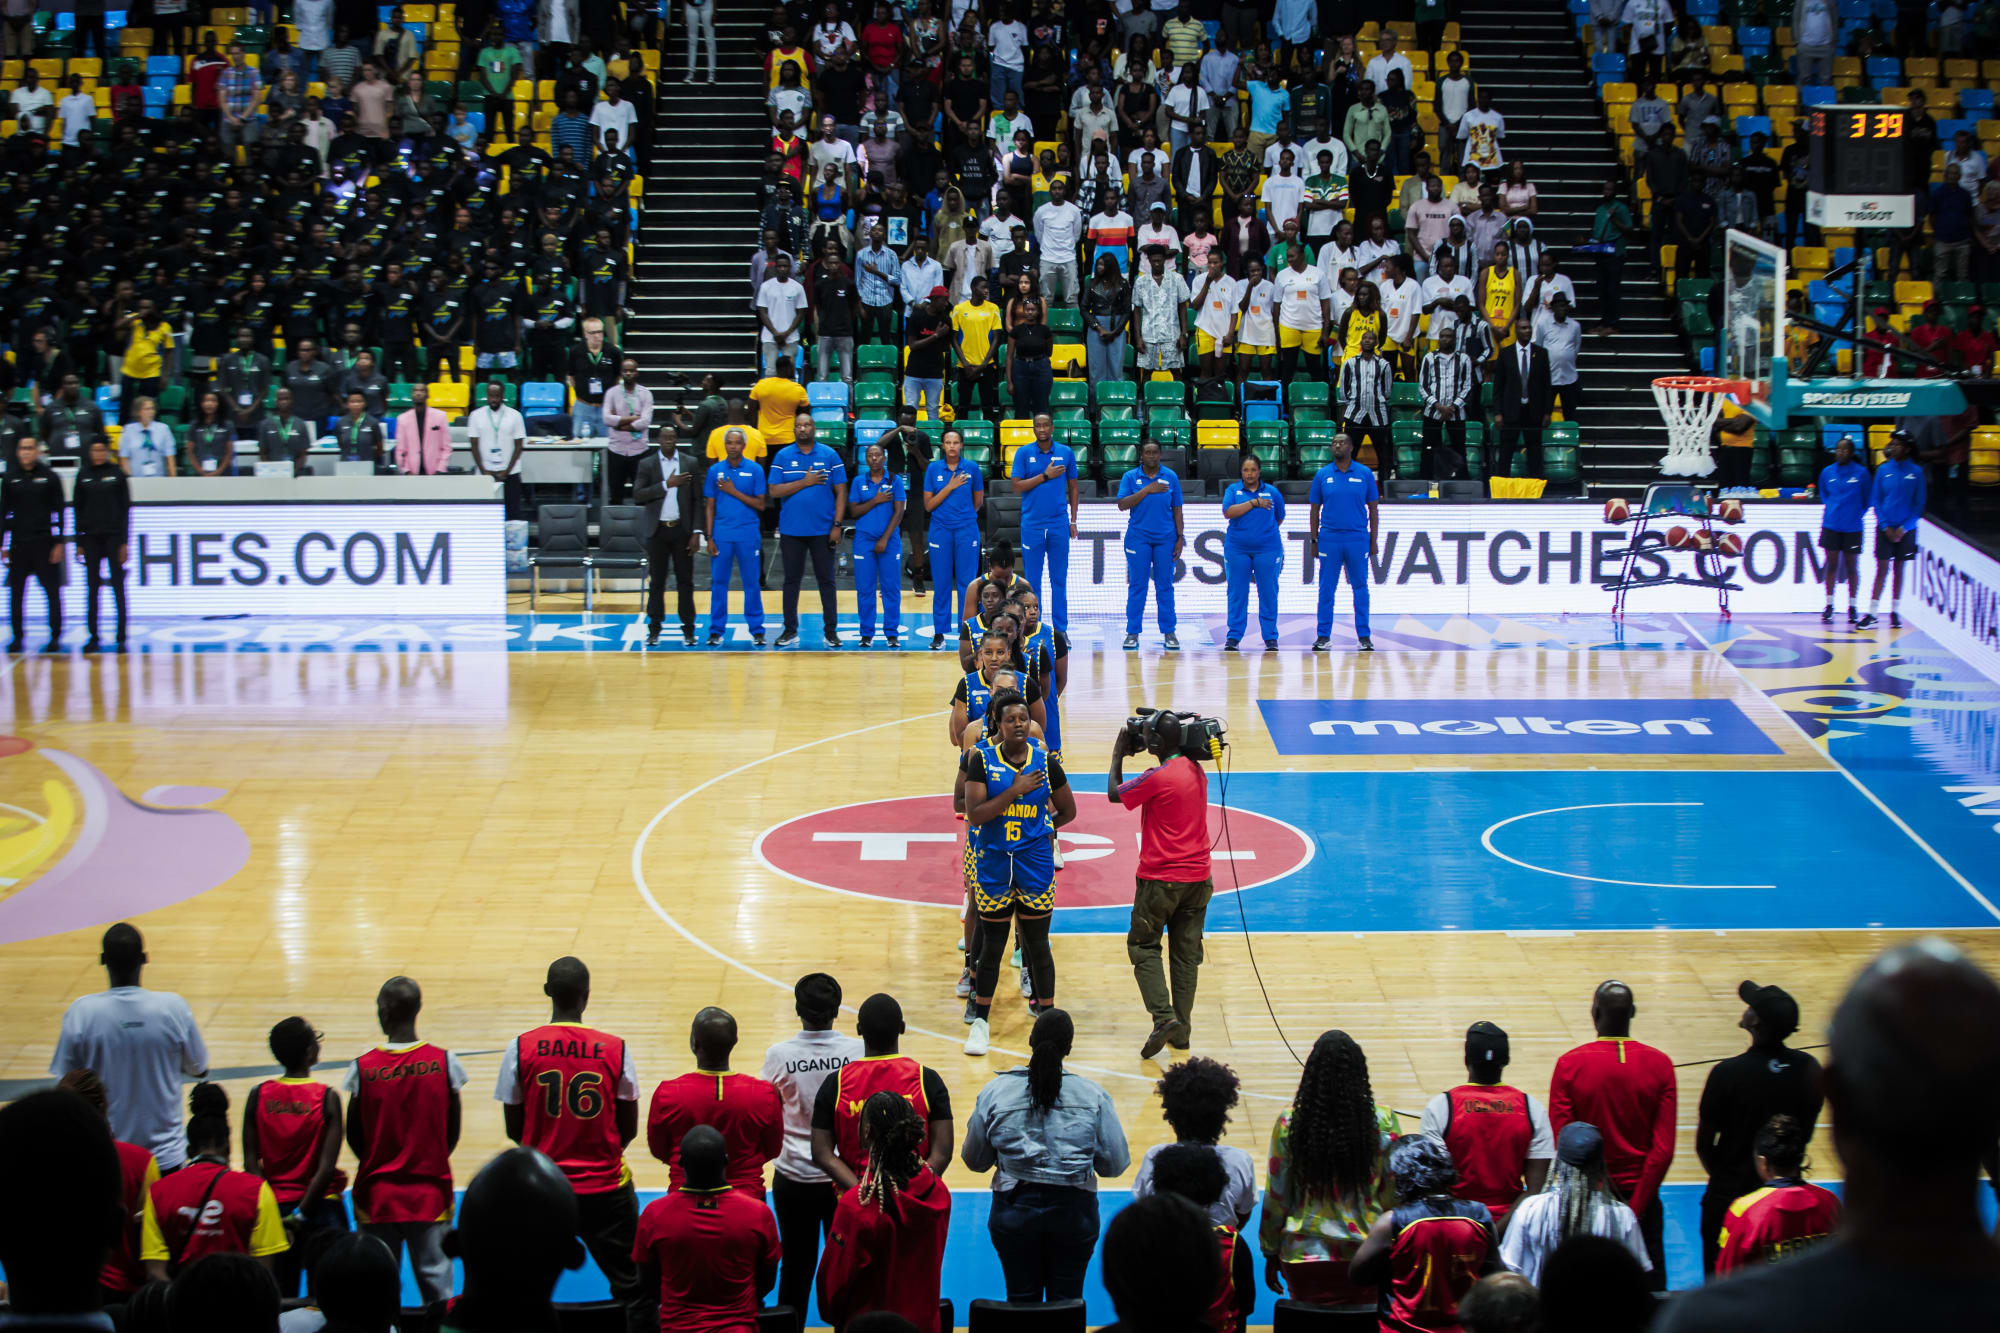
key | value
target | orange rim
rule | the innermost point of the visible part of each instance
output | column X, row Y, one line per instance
column 1703, row 384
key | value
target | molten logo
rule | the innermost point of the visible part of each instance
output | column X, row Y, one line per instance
column 1512, row 726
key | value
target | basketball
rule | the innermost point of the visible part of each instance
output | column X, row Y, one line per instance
column 1677, row 538
column 1729, row 544
column 1729, row 511
column 1617, row 510
column 1701, row 539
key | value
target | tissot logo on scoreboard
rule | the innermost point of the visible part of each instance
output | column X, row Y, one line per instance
column 910, row 849
column 311, row 559
column 1492, row 558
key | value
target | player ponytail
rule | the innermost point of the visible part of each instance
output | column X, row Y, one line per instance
column 208, row 1119
column 1781, row 1142
column 1048, row 1042
column 1000, row 554
column 895, row 1139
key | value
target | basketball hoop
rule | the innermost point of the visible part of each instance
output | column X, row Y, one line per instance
column 1690, row 404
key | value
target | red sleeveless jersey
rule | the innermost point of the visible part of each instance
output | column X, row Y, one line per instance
column 222, row 1225
column 569, row 1078
column 1488, row 1133
column 1776, row 1222
column 857, row 1081
column 404, row 1100
column 1439, row 1252
column 136, row 1173
column 1222, row 1315
column 743, row 1108
column 291, row 1128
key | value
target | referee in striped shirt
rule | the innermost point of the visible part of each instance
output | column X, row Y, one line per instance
column 1365, row 382
column 1446, row 380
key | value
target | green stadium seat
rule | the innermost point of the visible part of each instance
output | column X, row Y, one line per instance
column 1314, row 441
column 173, row 400
column 1170, row 394
column 1215, row 407
column 976, row 430
column 1170, row 429
column 1117, row 399
column 980, row 455
column 876, row 361
column 1309, row 400
column 1695, row 321
column 1069, row 396
column 1409, row 460
column 1406, row 397
column 1559, row 463
column 836, row 435
column 1065, row 319
column 874, row 398
column 1958, row 293
column 400, row 399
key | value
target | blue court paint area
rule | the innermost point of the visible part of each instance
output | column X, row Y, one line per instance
column 1589, row 850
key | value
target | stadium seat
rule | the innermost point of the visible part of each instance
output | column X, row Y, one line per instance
column 1171, row 428
column 1069, row 396
column 1219, row 433
column 867, row 430
column 451, row 395
column 874, row 398
column 1168, row 394
column 828, row 400
column 1308, row 400
column 1116, row 398
column 876, row 361
column 544, row 397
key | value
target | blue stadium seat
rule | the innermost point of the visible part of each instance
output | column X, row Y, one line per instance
column 1976, row 102
column 1885, row 10
column 1749, row 125
column 1818, row 94
column 1708, row 11
column 1754, row 39
column 867, row 430
column 1829, row 435
column 1708, row 358
column 168, row 65
column 114, row 19
column 1883, row 71
column 106, row 398
column 1947, row 128
column 544, row 397
column 1609, row 66
column 828, row 400
column 1855, row 11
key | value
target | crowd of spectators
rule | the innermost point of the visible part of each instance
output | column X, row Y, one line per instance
column 223, row 235
column 1530, row 1211
column 1124, row 193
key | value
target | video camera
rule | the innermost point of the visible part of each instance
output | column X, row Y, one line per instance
column 1189, row 734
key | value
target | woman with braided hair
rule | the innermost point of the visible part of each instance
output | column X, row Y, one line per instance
column 1047, row 1135
column 885, row 1250
column 1579, row 1200
column 1329, row 1177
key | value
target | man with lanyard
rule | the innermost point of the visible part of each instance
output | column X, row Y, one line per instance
column 1341, row 537
column 1150, row 496
column 663, row 489
column 1898, row 495
column 285, row 434
column 628, row 419
column 244, row 379
column 733, row 493
column 1013, row 834
column 812, row 481
column 498, row 436
column 357, row 435
column 146, row 446
column 593, row 368
column 72, row 422
column 1045, row 478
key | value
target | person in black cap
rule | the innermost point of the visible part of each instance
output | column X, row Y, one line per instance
column 1742, row 1093
column 1579, row 1200
column 1498, row 1135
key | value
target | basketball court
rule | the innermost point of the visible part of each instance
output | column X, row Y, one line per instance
column 1482, row 820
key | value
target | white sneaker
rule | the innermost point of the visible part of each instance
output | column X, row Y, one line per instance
column 964, row 986
column 1056, row 851
column 975, row 1037
column 1027, row 985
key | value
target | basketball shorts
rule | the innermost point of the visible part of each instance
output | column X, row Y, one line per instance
column 1306, row 338
column 1829, row 540
column 1024, row 878
column 1256, row 349
column 1903, row 548
column 1204, row 343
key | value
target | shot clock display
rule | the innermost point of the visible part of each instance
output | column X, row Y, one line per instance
column 1858, row 173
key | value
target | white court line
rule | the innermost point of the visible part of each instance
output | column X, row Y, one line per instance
column 646, row 892
column 1486, row 841
column 1859, row 785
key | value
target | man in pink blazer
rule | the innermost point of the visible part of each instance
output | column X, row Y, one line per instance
column 423, row 436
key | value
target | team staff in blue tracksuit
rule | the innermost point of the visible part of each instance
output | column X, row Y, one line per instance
column 954, row 493
column 875, row 501
column 734, row 492
column 1253, row 548
column 1151, row 498
column 1843, row 491
column 1045, row 478
column 1344, row 519
column 1898, row 494
column 811, row 480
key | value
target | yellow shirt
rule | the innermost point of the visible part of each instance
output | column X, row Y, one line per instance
column 1498, row 304
column 778, row 401
column 267, row 1235
column 143, row 359
column 754, row 447
column 977, row 325
column 1359, row 323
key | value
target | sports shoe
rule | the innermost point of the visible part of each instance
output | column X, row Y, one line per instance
column 976, row 1039
column 788, row 639
column 1866, row 622
column 1850, row 613
column 1131, row 642
column 868, row 641
column 1367, row 645
column 1826, row 614
column 1895, row 621
column 1027, row 985
column 90, row 644
column 1231, row 645
column 757, row 640
column 687, row 638
column 1320, row 644
column 833, row 641
column 964, row 986
column 894, row 646
column 652, row 638
column 1158, row 1038
column 1173, row 643
column 937, row 642
column 1270, row 645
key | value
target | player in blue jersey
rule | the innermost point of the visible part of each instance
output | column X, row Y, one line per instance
column 1843, row 491
column 1898, row 495
column 1045, row 655
column 1014, row 831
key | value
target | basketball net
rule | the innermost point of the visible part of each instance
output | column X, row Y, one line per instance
column 1690, row 404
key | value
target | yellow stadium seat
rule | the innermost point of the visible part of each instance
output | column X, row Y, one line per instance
column 1739, row 95
column 1846, row 69
column 1728, row 64
column 1810, row 256
column 419, row 14
column 451, row 395
column 183, row 95
column 1218, row 434
column 1619, row 93
column 90, row 67
column 1067, row 358
column 650, row 59
column 1780, row 94
column 1913, row 293
column 50, row 70
column 1961, row 69
column 1922, row 67
column 231, row 16
column 1719, row 36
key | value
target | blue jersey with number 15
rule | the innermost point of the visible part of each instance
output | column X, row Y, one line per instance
column 1026, row 818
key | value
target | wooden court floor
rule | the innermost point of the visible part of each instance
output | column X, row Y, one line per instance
column 464, row 817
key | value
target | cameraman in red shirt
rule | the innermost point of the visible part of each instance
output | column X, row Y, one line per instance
column 1174, row 882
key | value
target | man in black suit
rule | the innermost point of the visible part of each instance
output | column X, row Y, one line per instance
column 1521, row 400
column 664, row 488
column 1201, row 160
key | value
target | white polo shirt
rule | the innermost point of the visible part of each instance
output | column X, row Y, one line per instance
column 1298, row 298
column 493, row 434
column 1218, row 308
column 140, row 1042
